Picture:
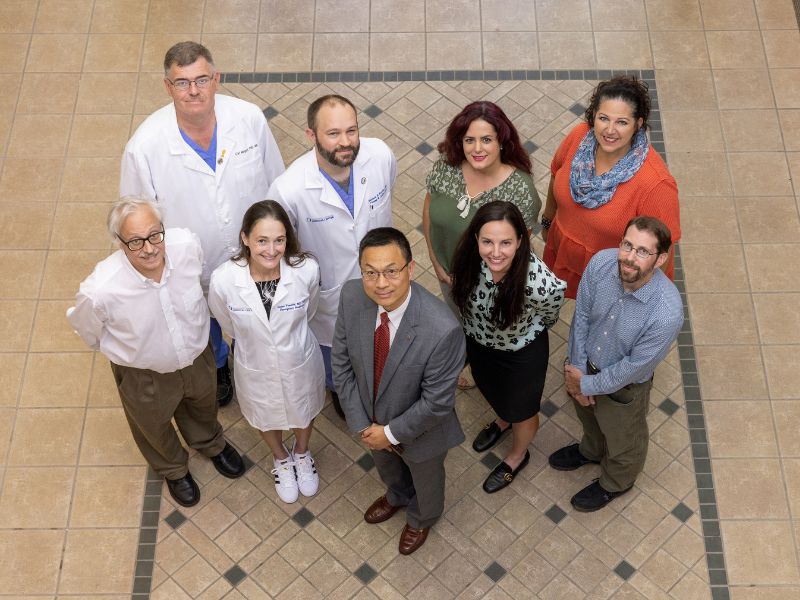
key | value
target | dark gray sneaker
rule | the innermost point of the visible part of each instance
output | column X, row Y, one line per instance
column 569, row 458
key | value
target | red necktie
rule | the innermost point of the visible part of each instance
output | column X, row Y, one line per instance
column 381, row 350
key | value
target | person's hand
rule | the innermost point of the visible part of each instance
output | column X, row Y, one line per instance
column 584, row 400
column 572, row 379
column 443, row 276
column 375, row 437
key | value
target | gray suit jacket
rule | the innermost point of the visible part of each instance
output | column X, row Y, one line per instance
column 416, row 397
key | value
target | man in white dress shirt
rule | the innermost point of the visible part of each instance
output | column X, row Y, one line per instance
column 204, row 159
column 143, row 308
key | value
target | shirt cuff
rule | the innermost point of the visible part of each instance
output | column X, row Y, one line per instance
column 587, row 387
column 389, row 436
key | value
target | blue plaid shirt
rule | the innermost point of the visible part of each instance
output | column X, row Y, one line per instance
column 624, row 334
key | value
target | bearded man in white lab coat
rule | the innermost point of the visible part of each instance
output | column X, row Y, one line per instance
column 334, row 195
column 204, row 159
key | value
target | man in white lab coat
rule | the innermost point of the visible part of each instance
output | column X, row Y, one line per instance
column 204, row 159
column 334, row 195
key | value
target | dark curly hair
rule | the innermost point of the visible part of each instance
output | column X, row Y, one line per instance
column 632, row 90
column 511, row 150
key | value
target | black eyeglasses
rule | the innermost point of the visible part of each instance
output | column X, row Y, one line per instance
column 138, row 243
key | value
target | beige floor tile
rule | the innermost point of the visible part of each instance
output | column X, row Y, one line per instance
column 51, row 331
column 573, row 50
column 714, row 268
column 102, row 388
column 692, row 131
column 786, row 85
column 731, row 373
column 749, row 488
column 14, row 49
column 782, row 48
column 791, row 469
column 506, row 15
column 686, row 89
column 513, row 50
column 790, row 126
column 21, row 271
column 105, row 93
column 663, row 570
column 30, row 180
column 99, row 135
column 341, row 52
column 36, row 498
column 397, row 51
column 700, row 173
column 673, row 14
column 566, row 15
column 15, row 323
column 775, row 14
column 388, row 16
column 17, row 16
column 623, row 49
column 712, row 315
column 708, row 220
column 452, row 15
column 233, row 52
column 173, row 16
column 230, row 16
column 768, row 276
column 10, row 84
column 618, row 15
column 453, row 51
column 118, row 16
column 684, row 48
column 64, row 271
column 38, row 136
column 282, row 16
column 342, row 16
column 735, row 49
column 172, row 552
column 195, row 576
column 156, row 46
column 743, row 134
column 764, row 592
column 46, row 436
column 29, row 560
column 760, row 174
column 758, row 552
column 778, row 224
column 80, row 226
column 785, row 414
column 739, row 429
column 11, row 367
column 778, row 319
column 56, row 52
column 98, row 561
column 730, row 83
column 56, row 380
column 63, row 16
column 107, row 439
column 782, row 366
column 90, row 180
column 238, row 540
column 284, row 52
column 728, row 14
column 107, row 497
column 52, row 93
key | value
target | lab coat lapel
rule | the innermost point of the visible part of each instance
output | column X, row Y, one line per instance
column 359, row 171
column 249, row 294
column 284, row 285
column 179, row 147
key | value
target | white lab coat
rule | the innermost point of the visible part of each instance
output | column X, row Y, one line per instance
column 158, row 164
column 325, row 226
column 279, row 375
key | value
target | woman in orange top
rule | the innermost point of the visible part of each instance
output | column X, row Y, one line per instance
column 604, row 173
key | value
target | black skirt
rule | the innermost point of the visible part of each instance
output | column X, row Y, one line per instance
column 512, row 382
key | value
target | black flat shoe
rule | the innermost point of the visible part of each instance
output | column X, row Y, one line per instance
column 184, row 490
column 593, row 497
column 503, row 474
column 224, row 386
column 488, row 437
column 229, row 462
column 569, row 458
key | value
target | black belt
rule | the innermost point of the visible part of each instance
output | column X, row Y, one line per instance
column 591, row 369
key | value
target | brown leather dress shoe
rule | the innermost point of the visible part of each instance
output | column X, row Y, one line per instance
column 411, row 538
column 380, row 511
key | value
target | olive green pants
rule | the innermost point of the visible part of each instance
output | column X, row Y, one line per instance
column 151, row 400
column 615, row 433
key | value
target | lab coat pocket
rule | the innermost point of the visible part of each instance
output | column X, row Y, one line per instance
column 258, row 398
column 329, row 302
column 305, row 387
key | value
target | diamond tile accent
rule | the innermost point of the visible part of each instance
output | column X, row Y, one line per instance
column 372, row 111
column 530, row 147
column 555, row 514
column 270, row 112
column 682, row 512
column 668, row 406
column 577, row 109
column 625, row 570
column 366, row 461
column 495, row 572
column 175, row 519
column 424, row 148
column 548, row 409
column 235, row 575
column 365, row 573
column 490, row 460
column 303, row 517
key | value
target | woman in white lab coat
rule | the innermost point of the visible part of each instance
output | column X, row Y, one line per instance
column 264, row 297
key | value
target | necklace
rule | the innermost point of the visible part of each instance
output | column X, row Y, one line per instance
column 465, row 202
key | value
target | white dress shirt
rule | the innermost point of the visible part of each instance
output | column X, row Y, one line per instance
column 136, row 322
column 395, row 317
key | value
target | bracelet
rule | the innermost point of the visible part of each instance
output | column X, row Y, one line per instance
column 546, row 223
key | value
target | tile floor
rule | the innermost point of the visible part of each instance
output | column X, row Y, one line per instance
column 78, row 76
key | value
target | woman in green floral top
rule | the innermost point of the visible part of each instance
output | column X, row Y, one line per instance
column 481, row 160
column 508, row 299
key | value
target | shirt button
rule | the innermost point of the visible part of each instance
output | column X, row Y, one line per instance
column 605, row 333
column 227, row 221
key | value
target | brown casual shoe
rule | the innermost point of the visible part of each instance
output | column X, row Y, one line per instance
column 411, row 539
column 380, row 511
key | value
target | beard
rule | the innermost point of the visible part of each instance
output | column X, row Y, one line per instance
column 330, row 155
column 637, row 275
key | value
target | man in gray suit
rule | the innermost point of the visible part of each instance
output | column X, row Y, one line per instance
column 397, row 353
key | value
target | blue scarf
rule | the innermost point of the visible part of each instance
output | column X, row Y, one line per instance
column 593, row 191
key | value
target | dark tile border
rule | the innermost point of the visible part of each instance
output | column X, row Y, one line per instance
column 709, row 515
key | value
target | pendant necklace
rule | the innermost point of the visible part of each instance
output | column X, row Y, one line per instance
column 465, row 202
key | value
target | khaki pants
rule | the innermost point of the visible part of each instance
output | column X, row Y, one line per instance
column 151, row 400
column 615, row 433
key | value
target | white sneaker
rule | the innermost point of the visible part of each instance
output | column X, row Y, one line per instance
column 307, row 478
column 285, row 479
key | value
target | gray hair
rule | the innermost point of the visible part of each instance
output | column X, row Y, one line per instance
column 125, row 207
column 185, row 53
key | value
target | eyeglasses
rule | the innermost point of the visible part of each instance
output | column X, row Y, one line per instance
column 642, row 253
column 390, row 274
column 183, row 85
column 138, row 243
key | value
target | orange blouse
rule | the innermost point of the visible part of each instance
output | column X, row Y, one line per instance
column 578, row 233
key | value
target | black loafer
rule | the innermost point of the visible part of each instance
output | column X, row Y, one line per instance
column 337, row 406
column 488, row 437
column 224, row 386
column 503, row 474
column 569, row 458
column 228, row 462
column 593, row 497
column 184, row 490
